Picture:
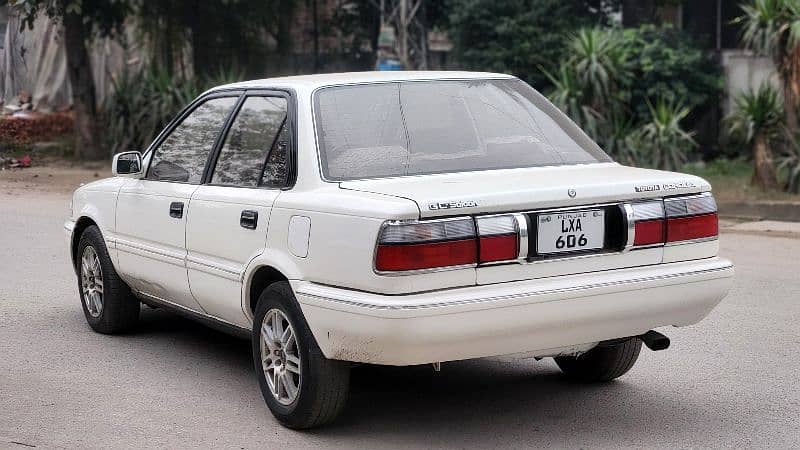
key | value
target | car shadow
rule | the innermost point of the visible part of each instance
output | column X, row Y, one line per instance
column 483, row 402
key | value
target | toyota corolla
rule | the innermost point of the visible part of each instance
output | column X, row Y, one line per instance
column 395, row 218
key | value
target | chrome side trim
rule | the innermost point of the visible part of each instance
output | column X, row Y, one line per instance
column 630, row 222
column 692, row 241
column 205, row 266
column 174, row 258
column 584, row 287
column 421, row 271
column 522, row 227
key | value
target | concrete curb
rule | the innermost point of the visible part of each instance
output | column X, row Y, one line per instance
column 766, row 210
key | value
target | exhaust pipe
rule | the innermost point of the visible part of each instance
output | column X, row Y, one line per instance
column 654, row 340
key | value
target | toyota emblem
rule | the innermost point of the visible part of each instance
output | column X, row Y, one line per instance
column 572, row 193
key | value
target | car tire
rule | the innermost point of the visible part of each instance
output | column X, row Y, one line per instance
column 320, row 385
column 115, row 310
column 602, row 363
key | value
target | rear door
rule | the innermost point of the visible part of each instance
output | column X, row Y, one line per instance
column 151, row 212
column 229, row 215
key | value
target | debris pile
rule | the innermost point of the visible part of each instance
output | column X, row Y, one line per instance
column 20, row 124
column 15, row 163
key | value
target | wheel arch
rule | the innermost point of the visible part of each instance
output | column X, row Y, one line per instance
column 260, row 277
column 81, row 225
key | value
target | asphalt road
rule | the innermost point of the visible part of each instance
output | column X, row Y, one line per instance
column 730, row 381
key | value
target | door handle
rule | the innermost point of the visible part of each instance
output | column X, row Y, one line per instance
column 249, row 219
column 176, row 210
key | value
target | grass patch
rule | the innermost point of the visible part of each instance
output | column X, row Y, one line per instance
column 730, row 179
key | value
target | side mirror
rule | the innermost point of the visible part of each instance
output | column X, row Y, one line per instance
column 127, row 164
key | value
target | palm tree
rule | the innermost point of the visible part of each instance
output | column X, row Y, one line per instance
column 757, row 120
column 587, row 87
column 662, row 142
column 772, row 27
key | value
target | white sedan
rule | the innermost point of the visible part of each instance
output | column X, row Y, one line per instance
column 395, row 218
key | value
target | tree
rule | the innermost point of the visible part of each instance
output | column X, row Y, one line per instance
column 757, row 121
column 772, row 27
column 520, row 37
column 82, row 20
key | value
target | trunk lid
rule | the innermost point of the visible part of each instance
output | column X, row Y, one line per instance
column 516, row 190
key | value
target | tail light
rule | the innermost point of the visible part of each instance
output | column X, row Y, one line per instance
column 498, row 238
column 462, row 241
column 675, row 219
column 692, row 217
column 431, row 244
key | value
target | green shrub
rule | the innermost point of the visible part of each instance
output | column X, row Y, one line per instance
column 667, row 63
column 143, row 103
column 662, row 142
column 610, row 79
column 519, row 36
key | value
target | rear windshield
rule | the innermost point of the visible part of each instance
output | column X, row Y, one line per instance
column 424, row 127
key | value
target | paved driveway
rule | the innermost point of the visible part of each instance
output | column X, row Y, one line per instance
column 731, row 381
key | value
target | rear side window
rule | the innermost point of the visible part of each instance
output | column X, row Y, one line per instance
column 183, row 154
column 422, row 127
column 251, row 140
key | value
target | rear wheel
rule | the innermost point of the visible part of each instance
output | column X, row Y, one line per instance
column 602, row 363
column 108, row 304
column 301, row 387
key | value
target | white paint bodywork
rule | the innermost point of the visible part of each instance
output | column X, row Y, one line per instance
column 321, row 236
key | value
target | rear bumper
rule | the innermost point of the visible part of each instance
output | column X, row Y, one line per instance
column 539, row 317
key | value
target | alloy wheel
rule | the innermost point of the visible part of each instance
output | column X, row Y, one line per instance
column 280, row 357
column 92, row 281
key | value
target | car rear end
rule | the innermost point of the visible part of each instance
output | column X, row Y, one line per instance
column 545, row 255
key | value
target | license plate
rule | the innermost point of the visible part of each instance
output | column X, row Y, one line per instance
column 570, row 231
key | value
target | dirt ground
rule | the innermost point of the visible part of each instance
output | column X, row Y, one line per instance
column 61, row 178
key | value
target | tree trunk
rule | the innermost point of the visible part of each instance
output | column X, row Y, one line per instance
column 790, row 108
column 79, row 70
column 764, row 167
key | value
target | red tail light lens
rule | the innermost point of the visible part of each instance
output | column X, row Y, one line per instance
column 498, row 238
column 393, row 258
column 694, row 227
column 649, row 232
column 406, row 246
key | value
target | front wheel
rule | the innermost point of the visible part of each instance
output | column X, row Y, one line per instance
column 602, row 363
column 301, row 387
column 108, row 304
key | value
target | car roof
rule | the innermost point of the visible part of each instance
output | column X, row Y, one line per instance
column 311, row 82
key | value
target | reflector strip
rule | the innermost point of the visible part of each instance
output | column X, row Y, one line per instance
column 391, row 258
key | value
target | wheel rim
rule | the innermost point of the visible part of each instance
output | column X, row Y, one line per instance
column 280, row 357
column 92, row 281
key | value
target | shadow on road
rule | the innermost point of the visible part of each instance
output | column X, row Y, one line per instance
column 480, row 401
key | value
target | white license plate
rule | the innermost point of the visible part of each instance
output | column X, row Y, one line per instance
column 570, row 231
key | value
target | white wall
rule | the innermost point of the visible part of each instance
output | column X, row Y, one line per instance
column 744, row 70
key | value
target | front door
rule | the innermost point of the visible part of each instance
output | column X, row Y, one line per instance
column 229, row 216
column 151, row 212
